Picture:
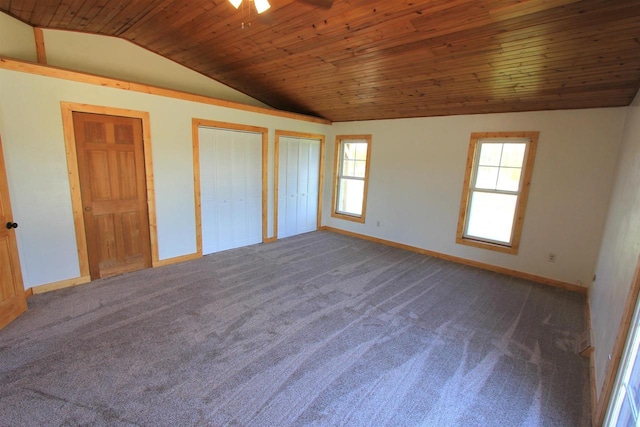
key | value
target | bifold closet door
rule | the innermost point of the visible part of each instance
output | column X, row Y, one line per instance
column 230, row 189
column 298, row 182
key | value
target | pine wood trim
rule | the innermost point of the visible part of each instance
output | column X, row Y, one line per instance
column 74, row 177
column 618, row 348
column 195, row 142
column 41, row 52
column 195, row 124
column 10, row 307
column 61, row 73
column 521, row 207
column 336, row 171
column 178, row 259
column 265, row 184
column 276, row 158
column 270, row 240
column 593, row 392
column 28, row 293
column 515, row 273
column 60, row 285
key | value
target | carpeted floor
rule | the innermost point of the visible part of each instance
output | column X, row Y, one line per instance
column 318, row 329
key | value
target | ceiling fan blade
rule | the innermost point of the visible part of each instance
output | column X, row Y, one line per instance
column 321, row 3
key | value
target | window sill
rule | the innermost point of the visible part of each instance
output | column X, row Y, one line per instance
column 513, row 250
column 346, row 217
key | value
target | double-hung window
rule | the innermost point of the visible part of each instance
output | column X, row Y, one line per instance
column 496, row 185
column 350, row 183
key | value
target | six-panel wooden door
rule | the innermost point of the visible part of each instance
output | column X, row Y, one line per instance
column 12, row 299
column 114, row 196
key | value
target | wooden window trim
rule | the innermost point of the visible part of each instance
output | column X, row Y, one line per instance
column 522, row 198
column 336, row 174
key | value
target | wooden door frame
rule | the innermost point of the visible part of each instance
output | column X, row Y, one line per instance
column 620, row 343
column 68, row 108
column 195, row 125
column 21, row 305
column 276, row 159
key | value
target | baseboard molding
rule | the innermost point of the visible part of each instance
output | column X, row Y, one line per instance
column 86, row 279
column 465, row 261
column 592, row 366
column 60, row 285
column 270, row 240
column 177, row 259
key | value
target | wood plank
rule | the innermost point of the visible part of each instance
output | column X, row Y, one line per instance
column 388, row 52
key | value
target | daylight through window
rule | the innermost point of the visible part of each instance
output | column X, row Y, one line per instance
column 496, row 186
column 351, row 177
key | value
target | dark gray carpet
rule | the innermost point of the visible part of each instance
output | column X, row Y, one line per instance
column 318, row 329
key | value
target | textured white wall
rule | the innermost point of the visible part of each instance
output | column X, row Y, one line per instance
column 16, row 39
column 620, row 246
column 31, row 129
column 417, row 170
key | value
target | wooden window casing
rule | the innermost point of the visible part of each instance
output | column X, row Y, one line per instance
column 339, row 176
column 469, row 187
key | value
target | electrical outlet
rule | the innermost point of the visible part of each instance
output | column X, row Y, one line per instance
column 551, row 257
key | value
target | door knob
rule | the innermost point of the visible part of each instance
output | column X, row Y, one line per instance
column 11, row 225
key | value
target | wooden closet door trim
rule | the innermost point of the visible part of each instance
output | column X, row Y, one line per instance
column 74, row 178
column 302, row 135
column 195, row 125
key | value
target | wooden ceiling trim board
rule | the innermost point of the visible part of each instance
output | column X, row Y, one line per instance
column 385, row 58
column 60, row 73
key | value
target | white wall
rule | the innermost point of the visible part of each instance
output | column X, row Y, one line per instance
column 620, row 246
column 31, row 129
column 417, row 171
column 118, row 58
column 111, row 57
column 16, row 39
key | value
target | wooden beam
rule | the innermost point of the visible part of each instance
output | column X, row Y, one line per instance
column 41, row 52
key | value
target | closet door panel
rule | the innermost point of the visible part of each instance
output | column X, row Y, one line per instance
column 298, row 181
column 230, row 187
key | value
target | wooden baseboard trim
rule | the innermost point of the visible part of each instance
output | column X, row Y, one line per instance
column 28, row 293
column 465, row 261
column 60, row 285
column 592, row 366
column 177, row 259
column 270, row 240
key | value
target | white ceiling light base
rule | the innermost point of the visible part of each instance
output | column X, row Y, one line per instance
column 261, row 5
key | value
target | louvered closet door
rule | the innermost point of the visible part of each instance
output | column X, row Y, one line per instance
column 230, row 189
column 298, row 182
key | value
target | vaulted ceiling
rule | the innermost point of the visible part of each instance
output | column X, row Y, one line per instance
column 364, row 59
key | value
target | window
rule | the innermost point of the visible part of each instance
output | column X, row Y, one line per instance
column 625, row 405
column 351, row 177
column 496, row 186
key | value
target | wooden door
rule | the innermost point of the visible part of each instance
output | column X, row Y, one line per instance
column 12, row 299
column 114, row 196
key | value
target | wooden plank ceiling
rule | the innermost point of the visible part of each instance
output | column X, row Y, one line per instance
column 364, row 59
